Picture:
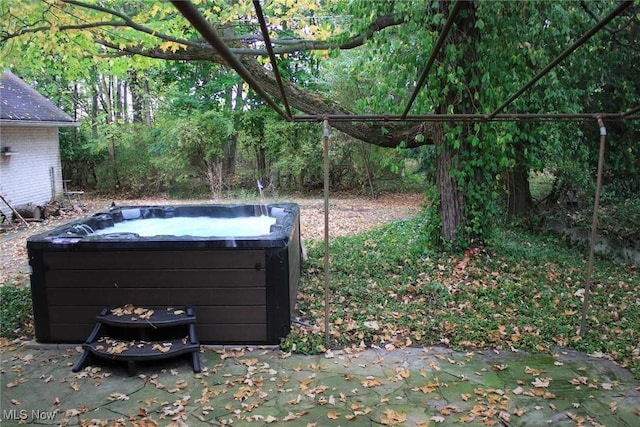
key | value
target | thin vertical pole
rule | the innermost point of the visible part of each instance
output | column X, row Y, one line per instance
column 594, row 228
column 326, row 232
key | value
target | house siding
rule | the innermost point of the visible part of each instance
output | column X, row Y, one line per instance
column 33, row 173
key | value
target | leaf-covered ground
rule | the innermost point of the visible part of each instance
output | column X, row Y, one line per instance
column 389, row 288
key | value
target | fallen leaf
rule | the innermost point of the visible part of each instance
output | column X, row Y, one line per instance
column 578, row 381
column 520, row 412
column 392, row 417
column 333, row 415
column 295, row 401
column 505, row 416
column 118, row 396
column 541, row 382
column 370, row 382
column 372, row 324
column 404, row 373
column 532, row 371
column 293, row 416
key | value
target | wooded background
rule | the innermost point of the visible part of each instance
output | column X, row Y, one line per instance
column 161, row 111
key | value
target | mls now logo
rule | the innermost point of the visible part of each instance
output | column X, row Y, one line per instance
column 23, row 415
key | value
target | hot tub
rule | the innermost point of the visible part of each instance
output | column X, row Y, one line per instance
column 243, row 289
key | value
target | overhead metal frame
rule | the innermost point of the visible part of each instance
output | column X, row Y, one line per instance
column 436, row 49
column 272, row 55
column 458, row 117
column 191, row 13
column 208, row 31
column 582, row 40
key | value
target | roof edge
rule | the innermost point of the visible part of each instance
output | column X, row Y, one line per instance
column 36, row 123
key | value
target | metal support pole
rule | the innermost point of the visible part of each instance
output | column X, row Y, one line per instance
column 326, row 232
column 594, row 228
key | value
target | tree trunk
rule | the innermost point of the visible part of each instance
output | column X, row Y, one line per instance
column 214, row 175
column 94, row 112
column 106, row 98
column 146, row 105
column 124, row 103
column 519, row 194
column 229, row 149
column 365, row 150
column 261, row 163
column 137, row 97
column 451, row 207
column 118, row 103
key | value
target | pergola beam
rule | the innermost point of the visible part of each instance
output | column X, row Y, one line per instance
column 210, row 34
column 617, row 11
column 189, row 11
column 272, row 55
column 458, row 117
column 439, row 43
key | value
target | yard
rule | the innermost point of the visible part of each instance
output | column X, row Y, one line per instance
column 391, row 288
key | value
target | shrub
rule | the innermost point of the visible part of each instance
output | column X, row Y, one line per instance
column 15, row 311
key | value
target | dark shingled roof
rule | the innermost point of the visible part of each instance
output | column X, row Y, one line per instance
column 20, row 102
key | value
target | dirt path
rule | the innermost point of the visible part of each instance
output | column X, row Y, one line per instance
column 347, row 215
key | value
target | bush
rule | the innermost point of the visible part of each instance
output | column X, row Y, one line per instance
column 15, row 311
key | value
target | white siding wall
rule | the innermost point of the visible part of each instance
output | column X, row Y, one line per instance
column 25, row 176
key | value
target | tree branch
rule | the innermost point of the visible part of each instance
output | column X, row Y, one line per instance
column 389, row 134
column 380, row 23
column 32, row 30
column 190, row 53
column 616, row 31
column 131, row 23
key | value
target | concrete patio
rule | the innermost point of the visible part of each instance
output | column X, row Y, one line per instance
column 360, row 387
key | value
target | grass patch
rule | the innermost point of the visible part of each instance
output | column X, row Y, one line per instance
column 389, row 287
column 16, row 318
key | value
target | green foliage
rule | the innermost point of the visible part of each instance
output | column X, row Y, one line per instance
column 15, row 311
column 126, row 167
column 303, row 343
column 195, row 86
column 392, row 286
column 191, row 146
column 481, row 65
column 79, row 160
column 618, row 220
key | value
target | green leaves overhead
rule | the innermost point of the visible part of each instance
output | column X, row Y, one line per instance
column 343, row 57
